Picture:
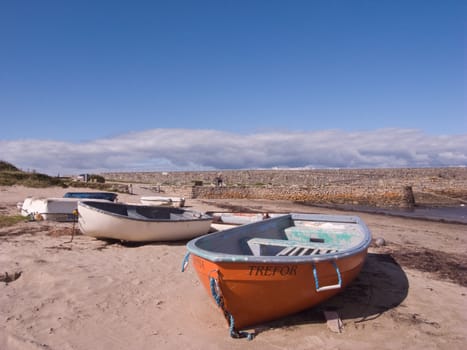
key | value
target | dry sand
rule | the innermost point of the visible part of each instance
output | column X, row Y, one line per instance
column 92, row 294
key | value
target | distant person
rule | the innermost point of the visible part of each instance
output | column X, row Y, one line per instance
column 219, row 180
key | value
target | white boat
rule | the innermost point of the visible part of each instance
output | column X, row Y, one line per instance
column 140, row 223
column 225, row 220
column 58, row 209
column 163, row 201
column 241, row 218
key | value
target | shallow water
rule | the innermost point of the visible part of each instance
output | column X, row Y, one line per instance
column 457, row 214
column 450, row 214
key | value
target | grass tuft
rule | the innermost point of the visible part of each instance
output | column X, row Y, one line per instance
column 10, row 220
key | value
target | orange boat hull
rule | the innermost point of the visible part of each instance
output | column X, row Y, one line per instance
column 250, row 293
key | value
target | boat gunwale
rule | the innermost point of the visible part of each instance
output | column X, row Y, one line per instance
column 217, row 257
column 202, row 217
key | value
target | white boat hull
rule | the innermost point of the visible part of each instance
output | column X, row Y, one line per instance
column 240, row 218
column 179, row 225
column 177, row 202
column 59, row 209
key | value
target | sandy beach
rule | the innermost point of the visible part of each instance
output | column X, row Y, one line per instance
column 94, row 294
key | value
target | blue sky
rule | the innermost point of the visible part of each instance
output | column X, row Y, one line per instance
column 232, row 84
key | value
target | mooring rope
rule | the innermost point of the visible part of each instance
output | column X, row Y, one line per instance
column 185, row 261
column 216, row 294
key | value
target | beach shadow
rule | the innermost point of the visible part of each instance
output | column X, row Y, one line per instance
column 108, row 242
column 380, row 286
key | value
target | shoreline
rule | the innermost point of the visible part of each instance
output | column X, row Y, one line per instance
column 424, row 213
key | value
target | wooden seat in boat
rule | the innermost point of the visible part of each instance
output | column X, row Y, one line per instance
column 177, row 216
column 132, row 213
column 283, row 247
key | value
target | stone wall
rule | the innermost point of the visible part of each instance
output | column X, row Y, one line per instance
column 399, row 197
column 373, row 187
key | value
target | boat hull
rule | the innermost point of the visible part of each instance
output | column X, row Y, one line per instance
column 102, row 224
column 177, row 202
column 254, row 293
column 60, row 208
column 271, row 268
column 232, row 218
column 56, row 209
column 225, row 220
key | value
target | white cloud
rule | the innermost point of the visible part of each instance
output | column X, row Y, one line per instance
column 184, row 149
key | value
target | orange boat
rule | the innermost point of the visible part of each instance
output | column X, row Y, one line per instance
column 265, row 270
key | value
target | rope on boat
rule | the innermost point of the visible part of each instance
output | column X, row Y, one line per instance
column 315, row 275
column 336, row 286
column 185, row 261
column 238, row 334
column 339, row 277
column 216, row 294
column 75, row 220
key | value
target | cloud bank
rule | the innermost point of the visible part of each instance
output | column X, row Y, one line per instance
column 186, row 149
